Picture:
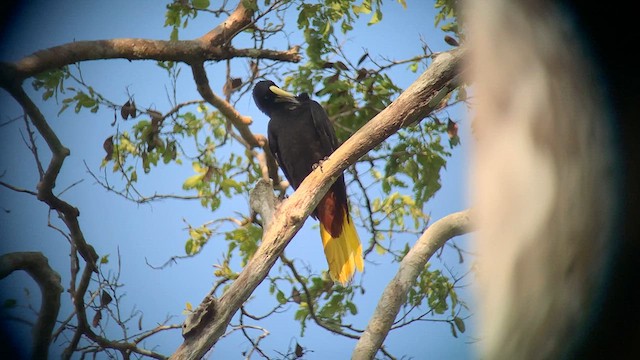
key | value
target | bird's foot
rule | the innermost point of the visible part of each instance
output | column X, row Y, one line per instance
column 319, row 163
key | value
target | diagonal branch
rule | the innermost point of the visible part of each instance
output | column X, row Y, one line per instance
column 37, row 266
column 395, row 294
column 413, row 105
column 228, row 29
column 239, row 122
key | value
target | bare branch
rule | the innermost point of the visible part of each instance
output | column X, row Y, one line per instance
column 18, row 189
column 413, row 105
column 395, row 294
column 81, row 314
column 11, row 120
column 177, row 108
column 156, row 330
column 37, row 266
column 48, row 182
column 32, row 146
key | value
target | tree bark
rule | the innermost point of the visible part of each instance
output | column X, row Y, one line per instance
column 422, row 97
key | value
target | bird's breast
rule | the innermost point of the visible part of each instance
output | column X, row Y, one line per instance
column 298, row 145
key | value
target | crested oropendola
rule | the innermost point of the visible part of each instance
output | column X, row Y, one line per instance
column 301, row 136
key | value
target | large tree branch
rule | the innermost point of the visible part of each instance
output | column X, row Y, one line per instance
column 395, row 294
column 214, row 45
column 187, row 51
column 37, row 266
column 413, row 105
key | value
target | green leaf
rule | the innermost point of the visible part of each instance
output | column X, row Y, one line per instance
column 201, row 4
column 188, row 247
column 459, row 324
column 194, row 180
column 250, row 5
column 361, row 9
column 377, row 16
column 174, row 34
column 327, row 29
column 104, row 259
column 281, row 298
column 403, row 3
column 352, row 308
column 63, row 108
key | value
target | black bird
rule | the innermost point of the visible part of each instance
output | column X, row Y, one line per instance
column 301, row 136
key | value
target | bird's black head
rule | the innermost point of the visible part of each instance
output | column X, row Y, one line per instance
column 269, row 97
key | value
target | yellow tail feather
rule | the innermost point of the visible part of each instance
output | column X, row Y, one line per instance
column 344, row 253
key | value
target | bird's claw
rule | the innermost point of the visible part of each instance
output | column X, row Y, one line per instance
column 319, row 163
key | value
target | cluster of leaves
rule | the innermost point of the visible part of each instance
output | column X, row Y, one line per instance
column 417, row 156
column 52, row 83
column 332, row 304
column 198, row 237
column 317, row 299
column 245, row 239
column 437, row 290
column 317, row 22
column 448, row 16
column 180, row 12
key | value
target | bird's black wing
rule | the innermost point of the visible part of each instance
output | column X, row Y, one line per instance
column 273, row 146
column 326, row 133
column 329, row 143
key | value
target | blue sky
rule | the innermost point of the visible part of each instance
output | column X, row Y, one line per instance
column 156, row 232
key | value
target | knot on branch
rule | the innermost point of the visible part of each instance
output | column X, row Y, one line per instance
column 263, row 201
column 200, row 316
column 294, row 52
column 261, row 140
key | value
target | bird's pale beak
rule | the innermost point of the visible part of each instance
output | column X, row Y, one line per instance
column 283, row 96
